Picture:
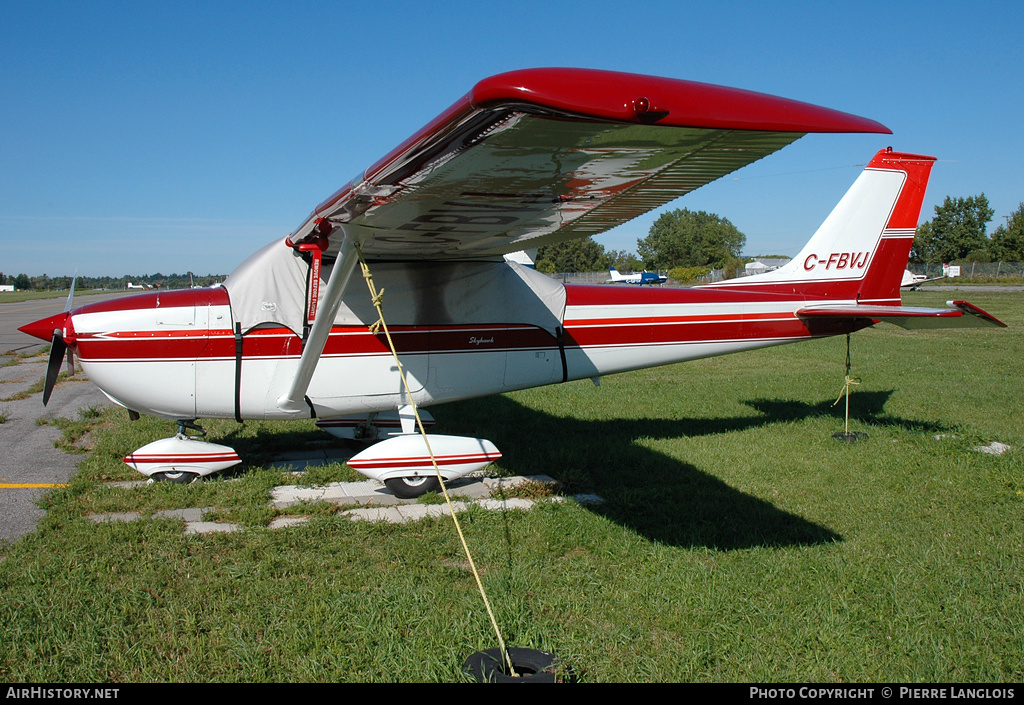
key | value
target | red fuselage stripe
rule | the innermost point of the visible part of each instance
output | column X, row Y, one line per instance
column 348, row 342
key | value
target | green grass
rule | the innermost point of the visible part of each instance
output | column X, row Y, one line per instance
column 738, row 540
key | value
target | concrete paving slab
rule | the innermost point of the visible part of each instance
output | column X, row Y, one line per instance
column 470, row 490
column 415, row 512
column 392, row 510
column 993, row 448
column 504, row 504
column 388, row 514
column 210, row 527
column 371, row 492
column 366, row 492
column 508, row 483
column 127, row 484
column 287, row 522
column 189, row 515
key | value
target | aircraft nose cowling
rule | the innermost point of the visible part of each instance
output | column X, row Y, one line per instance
column 44, row 327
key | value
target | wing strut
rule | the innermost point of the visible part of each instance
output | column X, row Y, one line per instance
column 295, row 399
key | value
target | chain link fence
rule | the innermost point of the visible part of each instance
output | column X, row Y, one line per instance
column 980, row 271
column 973, row 270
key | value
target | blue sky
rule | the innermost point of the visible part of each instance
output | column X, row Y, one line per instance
column 144, row 137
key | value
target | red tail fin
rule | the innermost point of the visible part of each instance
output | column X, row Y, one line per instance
column 861, row 250
column 882, row 282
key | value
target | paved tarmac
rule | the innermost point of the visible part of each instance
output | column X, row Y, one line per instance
column 29, row 464
column 969, row 287
column 14, row 315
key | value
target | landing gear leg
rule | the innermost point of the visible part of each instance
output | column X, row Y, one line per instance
column 186, row 425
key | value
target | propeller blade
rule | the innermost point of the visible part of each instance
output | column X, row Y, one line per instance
column 57, row 349
column 71, row 294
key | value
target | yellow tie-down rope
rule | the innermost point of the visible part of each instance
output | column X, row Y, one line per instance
column 377, row 298
column 850, row 381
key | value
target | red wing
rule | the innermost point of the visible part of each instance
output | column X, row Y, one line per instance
column 539, row 156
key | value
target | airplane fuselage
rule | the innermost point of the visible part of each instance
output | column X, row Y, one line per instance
column 175, row 354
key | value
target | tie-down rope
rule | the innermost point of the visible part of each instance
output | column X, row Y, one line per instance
column 850, row 381
column 377, row 298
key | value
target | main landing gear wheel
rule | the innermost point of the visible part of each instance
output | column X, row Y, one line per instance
column 412, row 487
column 178, row 477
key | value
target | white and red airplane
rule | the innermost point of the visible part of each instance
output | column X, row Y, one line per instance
column 524, row 159
column 640, row 278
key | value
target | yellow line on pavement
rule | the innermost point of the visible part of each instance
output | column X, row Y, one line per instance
column 28, row 485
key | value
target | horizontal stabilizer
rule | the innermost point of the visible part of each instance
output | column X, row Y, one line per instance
column 960, row 315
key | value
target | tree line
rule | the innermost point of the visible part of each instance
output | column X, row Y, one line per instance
column 959, row 233
column 692, row 242
column 679, row 239
column 685, row 241
column 44, row 282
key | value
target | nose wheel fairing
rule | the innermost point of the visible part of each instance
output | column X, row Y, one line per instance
column 175, row 458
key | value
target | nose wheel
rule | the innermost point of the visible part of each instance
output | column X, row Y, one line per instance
column 412, row 487
column 178, row 477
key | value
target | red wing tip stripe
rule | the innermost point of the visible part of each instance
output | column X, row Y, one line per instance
column 425, row 461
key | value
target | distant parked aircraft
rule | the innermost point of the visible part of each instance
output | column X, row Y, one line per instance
column 912, row 281
column 640, row 278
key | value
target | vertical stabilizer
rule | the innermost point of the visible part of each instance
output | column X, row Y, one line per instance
column 861, row 250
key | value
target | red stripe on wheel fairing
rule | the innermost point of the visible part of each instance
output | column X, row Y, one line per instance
column 424, row 461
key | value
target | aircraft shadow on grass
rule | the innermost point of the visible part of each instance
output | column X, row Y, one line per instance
column 865, row 407
column 659, row 497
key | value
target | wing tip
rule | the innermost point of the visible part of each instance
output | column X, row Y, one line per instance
column 627, row 97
